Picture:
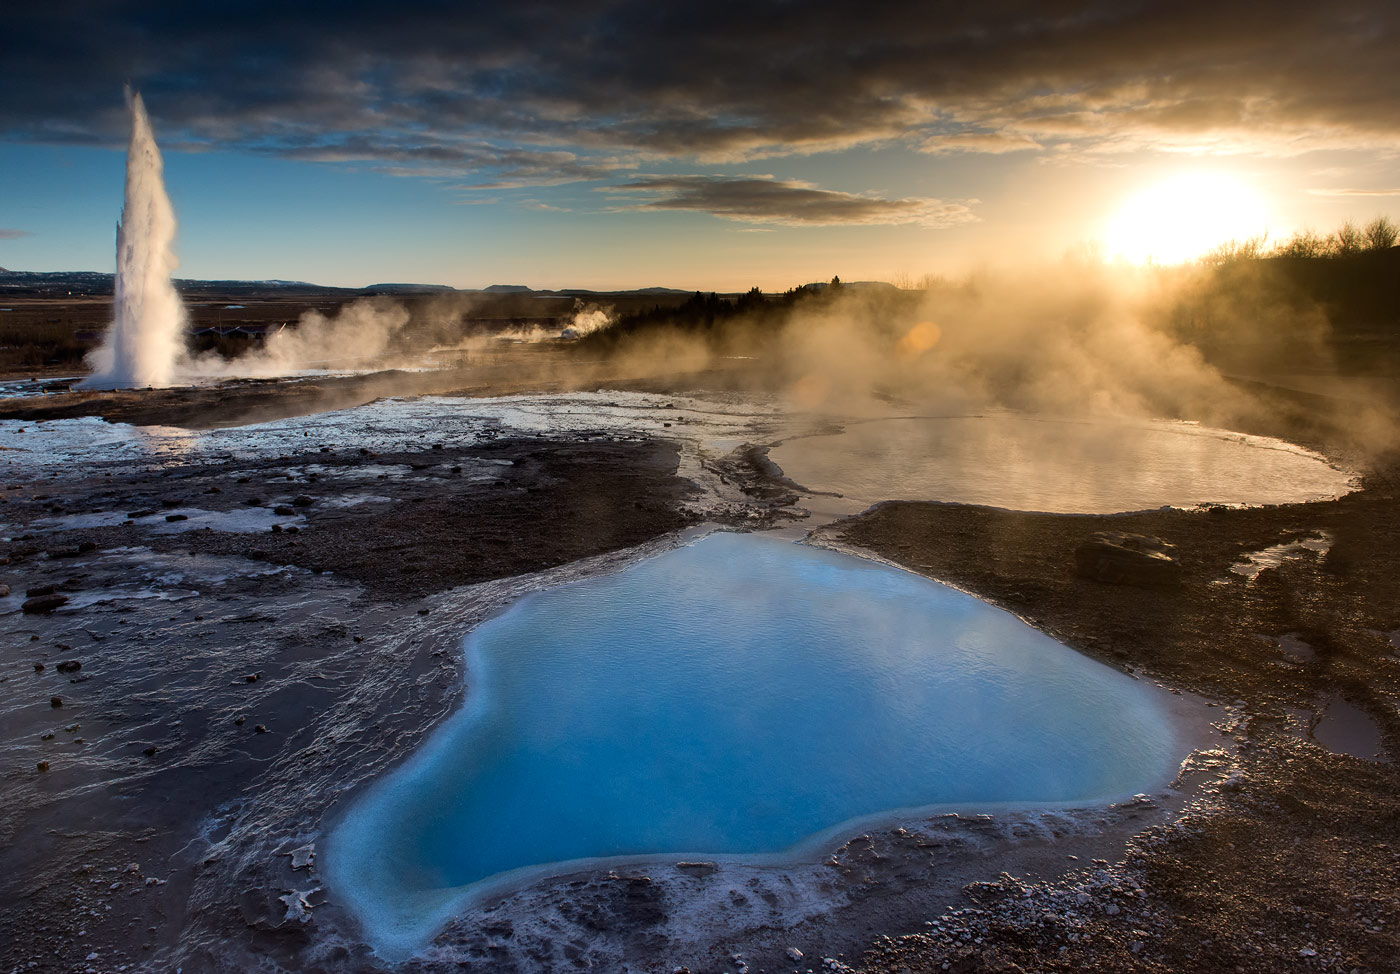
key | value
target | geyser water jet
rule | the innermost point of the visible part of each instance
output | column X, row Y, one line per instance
column 144, row 342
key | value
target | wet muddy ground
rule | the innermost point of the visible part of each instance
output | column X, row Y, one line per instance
column 295, row 630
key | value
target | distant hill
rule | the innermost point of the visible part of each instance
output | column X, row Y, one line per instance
column 408, row 289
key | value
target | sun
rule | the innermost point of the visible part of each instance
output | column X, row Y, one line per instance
column 1185, row 217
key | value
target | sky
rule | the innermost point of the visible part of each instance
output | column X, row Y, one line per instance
column 715, row 146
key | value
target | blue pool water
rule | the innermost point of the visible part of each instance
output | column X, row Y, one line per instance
column 739, row 696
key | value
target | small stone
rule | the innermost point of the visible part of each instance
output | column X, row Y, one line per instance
column 1120, row 558
column 38, row 667
column 239, row 720
column 151, row 751
column 39, row 590
column 794, row 954
column 254, row 502
column 55, row 702
column 43, row 604
column 177, row 517
column 284, row 510
column 85, row 546
column 1111, row 909
column 69, row 666
column 252, row 678
column 260, row 729
column 303, row 500
column 42, row 765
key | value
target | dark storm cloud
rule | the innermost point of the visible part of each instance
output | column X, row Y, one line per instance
column 549, row 91
column 787, row 203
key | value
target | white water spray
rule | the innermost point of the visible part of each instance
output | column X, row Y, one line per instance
column 145, row 341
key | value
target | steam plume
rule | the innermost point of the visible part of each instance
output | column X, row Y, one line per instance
column 145, row 339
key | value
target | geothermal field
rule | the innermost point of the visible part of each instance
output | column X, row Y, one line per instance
column 1044, row 618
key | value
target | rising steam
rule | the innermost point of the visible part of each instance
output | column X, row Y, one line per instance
column 145, row 340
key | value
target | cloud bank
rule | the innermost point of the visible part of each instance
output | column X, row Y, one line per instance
column 544, row 92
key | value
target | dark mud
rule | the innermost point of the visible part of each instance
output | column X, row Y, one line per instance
column 236, row 689
column 1293, row 864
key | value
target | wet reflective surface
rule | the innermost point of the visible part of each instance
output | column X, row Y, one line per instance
column 740, row 696
column 1030, row 464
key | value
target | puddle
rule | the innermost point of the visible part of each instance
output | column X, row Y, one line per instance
column 1033, row 464
column 1318, row 544
column 740, row 697
column 1344, row 728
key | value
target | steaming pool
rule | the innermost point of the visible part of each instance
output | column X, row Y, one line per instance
column 739, row 697
column 1061, row 466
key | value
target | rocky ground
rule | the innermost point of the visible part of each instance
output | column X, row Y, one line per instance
column 1293, row 863
column 181, row 717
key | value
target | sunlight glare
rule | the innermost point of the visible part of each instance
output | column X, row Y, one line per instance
column 1185, row 217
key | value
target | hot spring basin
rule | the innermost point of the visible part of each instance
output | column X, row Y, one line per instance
column 742, row 696
column 1027, row 463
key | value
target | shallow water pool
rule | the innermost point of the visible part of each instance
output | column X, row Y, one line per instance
column 1028, row 463
column 742, row 696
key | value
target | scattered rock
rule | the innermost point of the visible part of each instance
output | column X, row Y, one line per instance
column 151, row 751
column 168, row 502
column 254, row 502
column 70, row 666
column 41, row 590
column 38, row 667
column 303, row 856
column 303, row 500
column 298, row 905
column 55, row 702
column 177, row 517
column 4, row 591
column 85, row 546
column 252, row 678
column 134, row 515
column 260, row 729
column 793, row 953
column 42, row 765
column 284, row 510
column 43, row 603
column 1119, row 558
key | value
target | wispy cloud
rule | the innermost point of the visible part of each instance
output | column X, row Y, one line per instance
column 786, row 202
column 9, row 233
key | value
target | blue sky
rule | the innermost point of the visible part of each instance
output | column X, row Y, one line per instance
column 618, row 145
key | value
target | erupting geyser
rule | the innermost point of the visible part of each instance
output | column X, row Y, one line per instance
column 145, row 340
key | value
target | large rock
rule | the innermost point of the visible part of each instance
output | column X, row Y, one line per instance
column 1119, row 558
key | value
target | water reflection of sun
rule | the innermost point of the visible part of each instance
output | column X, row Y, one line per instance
column 1185, row 217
